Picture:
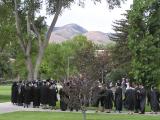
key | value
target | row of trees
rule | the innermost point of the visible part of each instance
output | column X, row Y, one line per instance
column 136, row 53
column 32, row 34
column 137, row 50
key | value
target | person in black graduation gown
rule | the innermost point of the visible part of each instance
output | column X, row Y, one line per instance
column 129, row 101
column 20, row 96
column 97, row 94
column 142, row 99
column 44, row 95
column 27, row 95
column 154, row 99
column 36, row 95
column 63, row 96
column 52, row 96
column 118, row 98
column 137, row 98
column 102, row 97
column 14, row 93
column 108, row 99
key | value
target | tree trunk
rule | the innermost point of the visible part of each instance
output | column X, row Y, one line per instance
column 43, row 45
column 38, row 62
column 29, row 68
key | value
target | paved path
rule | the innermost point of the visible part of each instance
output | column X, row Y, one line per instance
column 9, row 107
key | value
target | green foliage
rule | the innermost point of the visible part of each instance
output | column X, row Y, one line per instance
column 121, row 54
column 144, row 41
column 57, row 56
column 116, row 74
column 8, row 41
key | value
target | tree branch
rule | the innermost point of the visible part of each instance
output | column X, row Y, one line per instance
column 19, row 34
column 59, row 7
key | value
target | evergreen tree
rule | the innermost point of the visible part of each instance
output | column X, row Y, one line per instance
column 144, row 41
column 121, row 54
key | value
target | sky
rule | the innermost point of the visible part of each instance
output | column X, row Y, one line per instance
column 92, row 17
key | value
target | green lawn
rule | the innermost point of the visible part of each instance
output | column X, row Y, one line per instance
column 5, row 93
column 72, row 116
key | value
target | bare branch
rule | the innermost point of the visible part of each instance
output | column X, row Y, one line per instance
column 59, row 7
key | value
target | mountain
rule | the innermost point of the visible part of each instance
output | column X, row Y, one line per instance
column 97, row 37
column 69, row 31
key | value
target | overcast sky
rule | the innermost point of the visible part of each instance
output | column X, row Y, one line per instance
column 92, row 17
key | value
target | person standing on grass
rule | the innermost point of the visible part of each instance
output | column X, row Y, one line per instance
column 36, row 95
column 118, row 98
column 154, row 99
column 20, row 96
column 52, row 96
column 44, row 94
column 27, row 95
column 129, row 102
column 142, row 99
column 137, row 98
column 14, row 93
column 108, row 100
column 63, row 98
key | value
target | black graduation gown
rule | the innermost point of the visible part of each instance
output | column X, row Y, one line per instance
column 14, row 93
column 52, row 97
column 31, row 94
column 108, row 99
column 102, row 98
column 36, row 96
column 154, row 100
column 96, row 96
column 63, row 96
column 137, row 99
column 27, row 95
column 142, row 100
column 44, row 94
column 129, row 101
column 20, row 96
column 118, row 99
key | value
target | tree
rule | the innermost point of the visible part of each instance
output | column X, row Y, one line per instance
column 60, row 59
column 79, row 91
column 28, row 30
column 121, row 53
column 7, row 45
column 144, row 41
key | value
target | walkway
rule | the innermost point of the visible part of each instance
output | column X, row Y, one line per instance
column 9, row 107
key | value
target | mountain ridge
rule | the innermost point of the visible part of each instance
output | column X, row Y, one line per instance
column 67, row 32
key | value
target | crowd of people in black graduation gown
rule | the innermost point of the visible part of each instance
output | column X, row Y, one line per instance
column 132, row 97
column 37, row 92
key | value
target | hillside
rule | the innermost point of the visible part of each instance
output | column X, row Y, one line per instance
column 69, row 31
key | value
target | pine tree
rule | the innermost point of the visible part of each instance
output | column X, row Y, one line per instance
column 121, row 54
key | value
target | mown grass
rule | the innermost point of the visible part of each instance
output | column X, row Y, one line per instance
column 5, row 93
column 73, row 116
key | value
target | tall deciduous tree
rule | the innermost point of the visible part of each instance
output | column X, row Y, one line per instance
column 25, row 12
column 7, row 45
column 144, row 41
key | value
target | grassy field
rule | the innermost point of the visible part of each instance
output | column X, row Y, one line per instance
column 5, row 93
column 72, row 116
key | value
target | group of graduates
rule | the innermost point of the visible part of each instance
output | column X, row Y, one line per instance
column 132, row 97
column 36, row 92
